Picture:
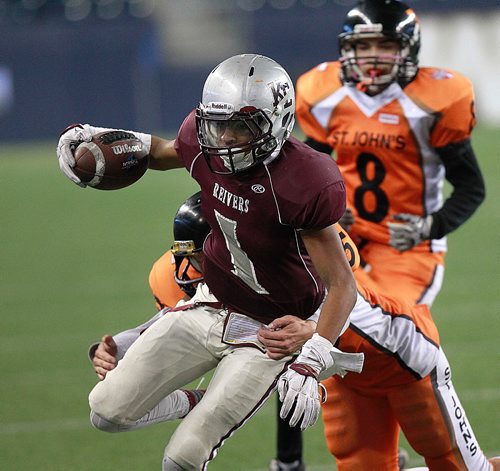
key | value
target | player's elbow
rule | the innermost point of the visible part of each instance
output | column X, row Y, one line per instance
column 479, row 194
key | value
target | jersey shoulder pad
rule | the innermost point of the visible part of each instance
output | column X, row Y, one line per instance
column 186, row 143
column 449, row 96
column 319, row 82
column 438, row 89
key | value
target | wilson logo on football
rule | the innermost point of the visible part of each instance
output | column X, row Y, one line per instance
column 126, row 148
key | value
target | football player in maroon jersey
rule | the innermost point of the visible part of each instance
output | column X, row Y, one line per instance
column 271, row 202
column 395, row 381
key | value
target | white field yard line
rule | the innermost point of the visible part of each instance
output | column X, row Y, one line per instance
column 37, row 426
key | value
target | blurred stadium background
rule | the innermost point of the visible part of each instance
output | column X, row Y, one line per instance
column 141, row 64
column 75, row 263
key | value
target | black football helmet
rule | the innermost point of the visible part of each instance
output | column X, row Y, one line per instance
column 376, row 19
column 190, row 231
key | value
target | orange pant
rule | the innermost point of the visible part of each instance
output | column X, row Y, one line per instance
column 362, row 424
column 415, row 275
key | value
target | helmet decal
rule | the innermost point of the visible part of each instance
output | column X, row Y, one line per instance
column 279, row 90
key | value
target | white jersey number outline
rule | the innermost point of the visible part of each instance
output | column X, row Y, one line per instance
column 243, row 267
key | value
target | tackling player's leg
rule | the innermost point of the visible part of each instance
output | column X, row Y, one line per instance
column 142, row 378
column 360, row 430
column 175, row 406
column 435, row 424
column 289, row 446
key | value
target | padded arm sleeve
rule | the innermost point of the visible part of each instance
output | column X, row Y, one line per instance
column 464, row 174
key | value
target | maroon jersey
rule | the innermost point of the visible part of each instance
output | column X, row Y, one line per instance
column 255, row 260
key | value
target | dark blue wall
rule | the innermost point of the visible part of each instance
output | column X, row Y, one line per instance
column 110, row 72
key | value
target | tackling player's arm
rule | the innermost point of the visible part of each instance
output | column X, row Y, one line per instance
column 103, row 356
column 286, row 335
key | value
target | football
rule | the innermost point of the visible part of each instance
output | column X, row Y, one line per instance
column 112, row 160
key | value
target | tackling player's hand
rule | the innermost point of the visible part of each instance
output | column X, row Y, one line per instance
column 104, row 359
column 298, row 387
column 285, row 336
column 409, row 231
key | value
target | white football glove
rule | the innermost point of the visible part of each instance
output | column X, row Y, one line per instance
column 299, row 384
column 74, row 135
column 411, row 231
column 69, row 140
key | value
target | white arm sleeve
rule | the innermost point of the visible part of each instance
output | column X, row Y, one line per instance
column 126, row 338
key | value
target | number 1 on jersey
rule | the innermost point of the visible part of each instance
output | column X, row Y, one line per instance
column 243, row 267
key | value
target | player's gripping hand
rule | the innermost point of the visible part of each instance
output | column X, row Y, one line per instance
column 299, row 385
column 69, row 140
column 285, row 336
column 409, row 231
column 74, row 135
column 104, row 359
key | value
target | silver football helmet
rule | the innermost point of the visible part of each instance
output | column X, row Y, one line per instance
column 246, row 114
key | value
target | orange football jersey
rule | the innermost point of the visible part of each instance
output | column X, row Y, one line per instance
column 385, row 144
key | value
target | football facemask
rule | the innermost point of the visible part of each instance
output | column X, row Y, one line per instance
column 240, row 139
column 246, row 113
column 355, row 68
column 185, row 250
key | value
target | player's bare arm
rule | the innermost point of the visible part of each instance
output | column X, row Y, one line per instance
column 163, row 155
column 327, row 254
column 298, row 386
